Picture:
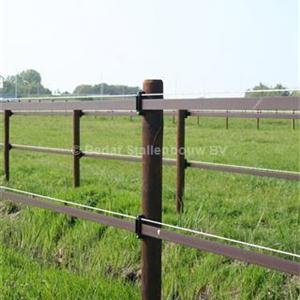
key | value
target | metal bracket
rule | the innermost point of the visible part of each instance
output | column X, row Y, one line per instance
column 187, row 114
column 139, row 102
column 186, row 163
column 138, row 226
column 78, row 153
column 9, row 147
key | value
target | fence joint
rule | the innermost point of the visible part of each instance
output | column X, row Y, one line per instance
column 186, row 163
column 139, row 102
column 187, row 113
column 138, row 226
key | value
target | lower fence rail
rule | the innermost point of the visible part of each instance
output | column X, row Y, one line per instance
column 252, row 257
column 243, row 170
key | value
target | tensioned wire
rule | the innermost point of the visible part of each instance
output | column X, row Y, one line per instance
column 132, row 96
column 123, row 215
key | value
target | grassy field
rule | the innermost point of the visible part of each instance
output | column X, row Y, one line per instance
column 45, row 255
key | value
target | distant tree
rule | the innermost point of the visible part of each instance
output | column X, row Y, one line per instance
column 104, row 89
column 84, row 89
column 27, row 83
column 295, row 93
column 263, row 90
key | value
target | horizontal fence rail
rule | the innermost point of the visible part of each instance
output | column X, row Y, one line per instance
column 193, row 113
column 289, row 175
column 147, row 230
column 246, row 115
column 253, row 103
column 280, row 174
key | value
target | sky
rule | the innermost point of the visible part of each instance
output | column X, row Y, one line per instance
column 195, row 46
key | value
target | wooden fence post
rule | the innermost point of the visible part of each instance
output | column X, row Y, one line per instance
column 180, row 159
column 293, row 122
column 227, row 121
column 198, row 120
column 76, row 147
column 7, row 145
column 152, row 130
column 257, row 121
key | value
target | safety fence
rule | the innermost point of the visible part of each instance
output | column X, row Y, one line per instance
column 148, row 226
column 260, row 107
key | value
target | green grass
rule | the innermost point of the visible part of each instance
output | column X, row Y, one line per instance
column 45, row 255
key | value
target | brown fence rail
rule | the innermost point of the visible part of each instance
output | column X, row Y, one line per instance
column 151, row 109
column 148, row 230
column 279, row 174
column 253, row 103
column 192, row 113
column 258, row 115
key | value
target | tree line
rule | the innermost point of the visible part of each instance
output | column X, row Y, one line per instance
column 28, row 83
column 264, row 90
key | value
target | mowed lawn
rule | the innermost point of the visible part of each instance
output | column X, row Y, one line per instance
column 44, row 255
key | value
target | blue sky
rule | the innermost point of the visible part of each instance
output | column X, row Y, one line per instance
column 195, row 46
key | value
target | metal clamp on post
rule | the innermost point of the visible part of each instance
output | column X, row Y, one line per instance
column 139, row 102
column 78, row 153
column 186, row 163
column 138, row 226
column 187, row 114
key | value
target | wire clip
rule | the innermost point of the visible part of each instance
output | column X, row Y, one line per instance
column 138, row 226
column 186, row 163
column 187, row 114
column 139, row 102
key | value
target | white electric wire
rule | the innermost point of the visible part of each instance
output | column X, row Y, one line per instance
column 221, row 238
column 63, row 98
column 209, row 235
column 67, row 202
column 178, row 95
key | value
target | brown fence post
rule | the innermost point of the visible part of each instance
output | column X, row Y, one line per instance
column 7, row 145
column 76, row 147
column 293, row 122
column 180, row 159
column 198, row 120
column 152, row 130
column 257, row 121
column 227, row 121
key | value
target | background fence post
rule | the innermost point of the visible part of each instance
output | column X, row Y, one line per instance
column 227, row 121
column 152, row 130
column 293, row 122
column 76, row 147
column 7, row 145
column 257, row 121
column 180, row 159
